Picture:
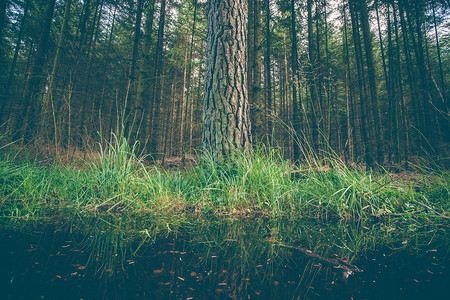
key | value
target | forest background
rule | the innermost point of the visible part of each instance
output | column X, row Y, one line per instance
column 365, row 81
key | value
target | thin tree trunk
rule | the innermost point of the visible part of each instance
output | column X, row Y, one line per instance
column 392, row 129
column 268, row 79
column 90, row 53
column 372, row 80
column 157, row 86
column 3, row 98
column 332, row 104
column 3, row 6
column 250, row 48
column 363, row 107
column 287, row 103
column 256, row 103
column 350, row 103
column 296, row 102
column 424, row 89
column 317, row 73
column 182, row 103
column 412, row 81
column 172, row 121
column 399, row 80
column 314, row 111
column 144, row 76
column 137, row 37
column 30, row 108
column 187, row 88
column 197, row 110
column 50, row 95
column 444, row 106
column 420, row 77
column 18, row 43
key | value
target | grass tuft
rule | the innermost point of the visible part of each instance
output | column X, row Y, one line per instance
column 117, row 198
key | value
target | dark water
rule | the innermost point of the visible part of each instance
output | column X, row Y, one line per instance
column 53, row 265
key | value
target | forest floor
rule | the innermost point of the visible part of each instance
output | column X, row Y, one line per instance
column 115, row 191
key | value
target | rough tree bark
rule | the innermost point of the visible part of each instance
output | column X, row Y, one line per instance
column 226, row 123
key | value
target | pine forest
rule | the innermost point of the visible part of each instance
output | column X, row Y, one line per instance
column 367, row 81
column 224, row 149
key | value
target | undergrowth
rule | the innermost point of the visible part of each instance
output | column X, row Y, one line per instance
column 120, row 183
column 120, row 195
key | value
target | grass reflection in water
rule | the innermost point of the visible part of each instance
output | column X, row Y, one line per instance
column 237, row 258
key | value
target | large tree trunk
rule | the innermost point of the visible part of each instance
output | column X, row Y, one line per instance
column 226, row 123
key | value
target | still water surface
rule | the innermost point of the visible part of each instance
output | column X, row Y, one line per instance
column 224, row 261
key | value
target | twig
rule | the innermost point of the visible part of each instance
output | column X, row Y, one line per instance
column 337, row 263
column 426, row 206
column 319, row 169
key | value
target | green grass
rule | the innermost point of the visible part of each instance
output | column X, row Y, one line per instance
column 118, row 199
column 119, row 183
